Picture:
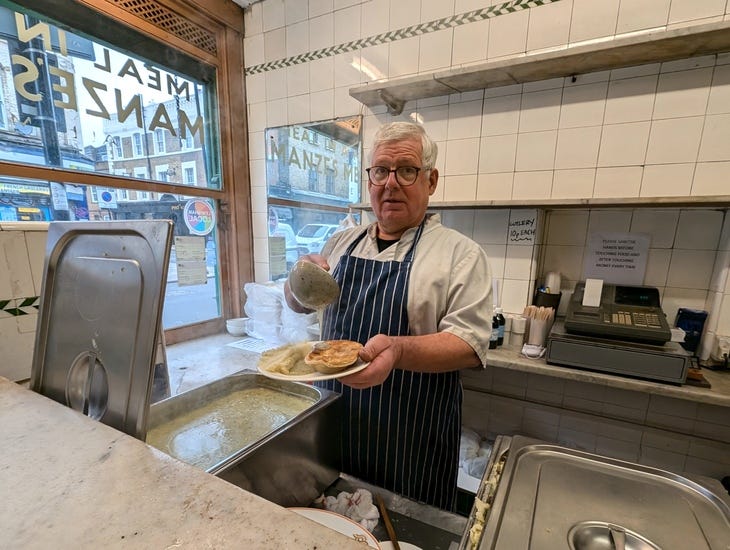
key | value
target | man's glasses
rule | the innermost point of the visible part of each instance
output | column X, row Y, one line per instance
column 404, row 175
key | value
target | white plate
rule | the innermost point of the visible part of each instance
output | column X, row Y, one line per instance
column 315, row 376
column 387, row 545
column 341, row 524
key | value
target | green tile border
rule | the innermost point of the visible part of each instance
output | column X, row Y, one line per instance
column 19, row 306
column 406, row 32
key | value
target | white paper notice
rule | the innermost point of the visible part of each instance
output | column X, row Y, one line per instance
column 191, row 273
column 58, row 196
column 277, row 257
column 190, row 248
column 522, row 227
column 617, row 258
column 190, row 261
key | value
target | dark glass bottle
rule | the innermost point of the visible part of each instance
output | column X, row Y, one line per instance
column 501, row 322
column 495, row 333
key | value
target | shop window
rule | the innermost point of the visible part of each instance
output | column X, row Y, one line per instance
column 89, row 105
column 313, row 174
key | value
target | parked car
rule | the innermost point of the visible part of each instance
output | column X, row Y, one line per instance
column 313, row 236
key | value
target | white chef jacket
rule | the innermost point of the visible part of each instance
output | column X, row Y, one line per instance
column 450, row 288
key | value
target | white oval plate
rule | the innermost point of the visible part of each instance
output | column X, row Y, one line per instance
column 387, row 545
column 341, row 524
column 315, row 376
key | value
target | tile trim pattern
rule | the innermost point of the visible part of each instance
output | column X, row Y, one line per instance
column 399, row 34
column 19, row 306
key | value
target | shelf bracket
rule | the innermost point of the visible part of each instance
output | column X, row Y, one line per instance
column 395, row 106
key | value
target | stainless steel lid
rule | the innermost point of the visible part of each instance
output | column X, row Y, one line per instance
column 99, row 318
column 552, row 497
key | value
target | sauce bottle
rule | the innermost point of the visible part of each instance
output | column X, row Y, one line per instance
column 500, row 322
column 494, row 337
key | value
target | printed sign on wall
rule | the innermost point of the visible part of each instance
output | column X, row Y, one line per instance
column 617, row 258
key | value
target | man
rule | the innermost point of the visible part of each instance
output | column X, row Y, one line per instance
column 418, row 296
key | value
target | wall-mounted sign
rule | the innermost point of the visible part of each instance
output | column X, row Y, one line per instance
column 199, row 216
column 58, row 196
column 617, row 258
column 107, row 198
column 522, row 227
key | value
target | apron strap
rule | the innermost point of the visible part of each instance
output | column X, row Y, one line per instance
column 411, row 251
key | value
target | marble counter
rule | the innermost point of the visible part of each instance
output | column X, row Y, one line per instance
column 718, row 394
column 71, row 482
column 199, row 361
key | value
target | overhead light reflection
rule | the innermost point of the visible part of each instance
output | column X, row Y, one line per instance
column 416, row 117
column 366, row 68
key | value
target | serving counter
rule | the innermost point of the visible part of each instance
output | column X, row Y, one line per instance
column 717, row 394
column 72, row 482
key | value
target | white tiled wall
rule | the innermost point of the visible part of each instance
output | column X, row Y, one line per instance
column 22, row 252
column 659, row 129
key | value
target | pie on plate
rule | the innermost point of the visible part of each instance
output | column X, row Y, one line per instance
column 330, row 359
column 331, row 356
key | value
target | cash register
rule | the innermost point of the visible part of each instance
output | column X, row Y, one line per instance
column 620, row 330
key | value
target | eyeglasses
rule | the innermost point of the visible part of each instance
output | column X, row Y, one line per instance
column 404, row 175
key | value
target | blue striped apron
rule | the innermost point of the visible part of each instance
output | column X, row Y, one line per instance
column 403, row 435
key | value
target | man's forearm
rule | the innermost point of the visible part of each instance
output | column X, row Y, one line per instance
column 439, row 352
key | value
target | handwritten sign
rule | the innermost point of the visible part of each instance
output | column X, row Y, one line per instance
column 617, row 258
column 522, row 227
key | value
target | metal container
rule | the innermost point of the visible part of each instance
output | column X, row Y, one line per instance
column 291, row 464
column 536, row 495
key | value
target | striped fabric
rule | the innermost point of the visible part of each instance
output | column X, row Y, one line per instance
column 402, row 436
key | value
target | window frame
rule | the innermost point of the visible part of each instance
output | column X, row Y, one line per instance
column 224, row 20
column 159, row 140
column 137, row 146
